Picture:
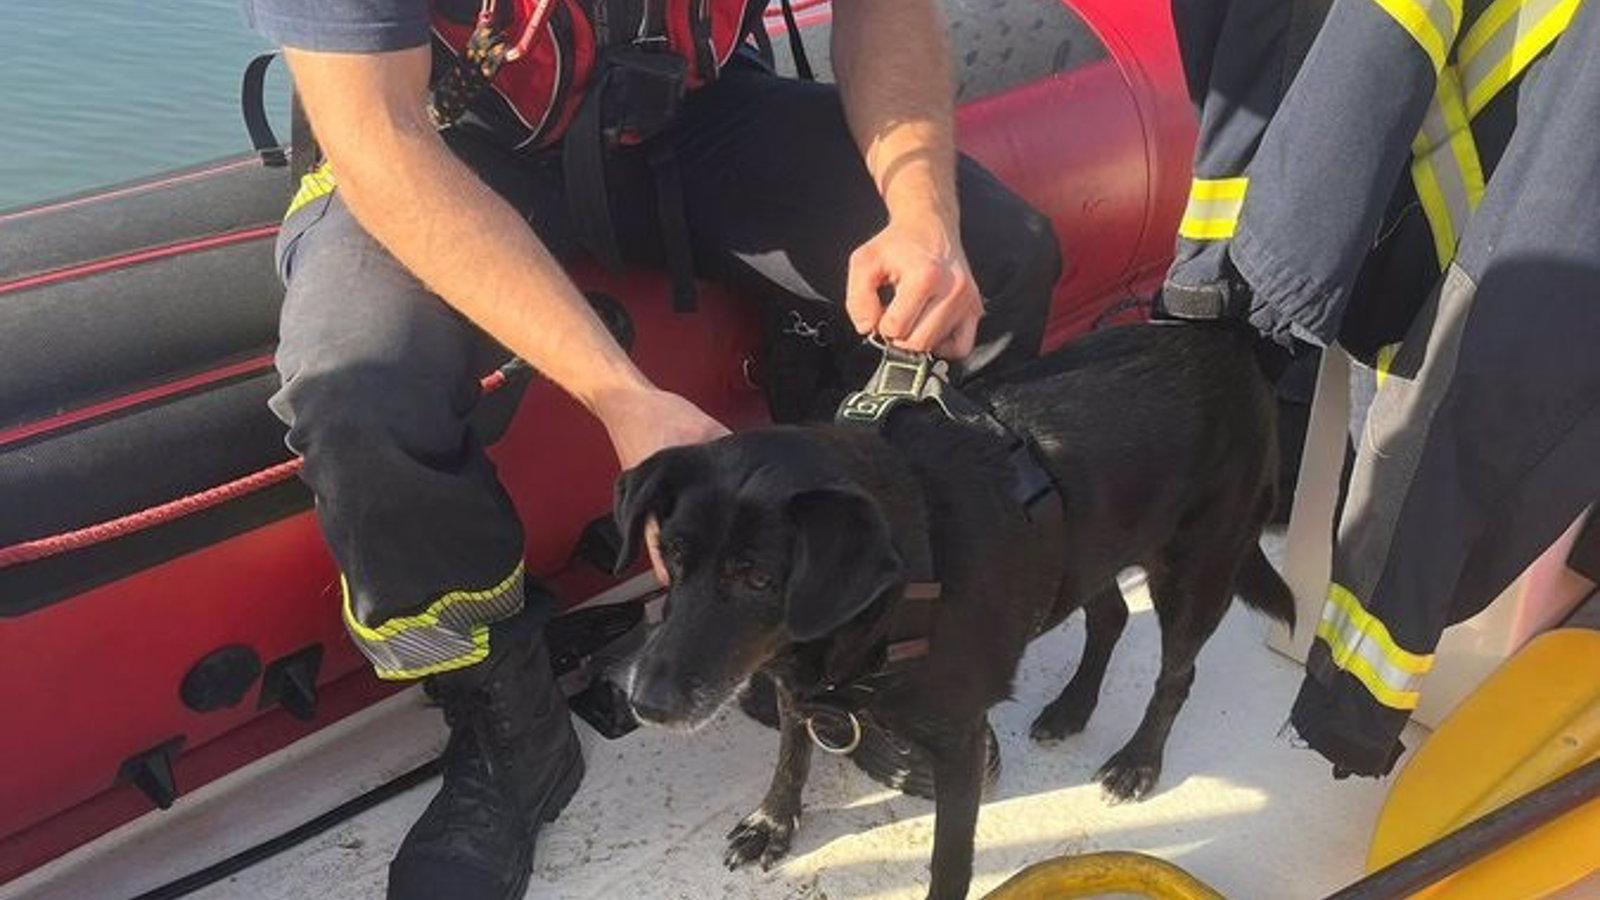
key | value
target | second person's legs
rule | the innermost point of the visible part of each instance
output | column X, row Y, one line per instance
column 777, row 198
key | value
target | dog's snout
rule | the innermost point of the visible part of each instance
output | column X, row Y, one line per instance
column 661, row 695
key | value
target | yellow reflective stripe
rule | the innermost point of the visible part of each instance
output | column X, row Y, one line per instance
column 1359, row 643
column 1431, row 23
column 480, row 652
column 1219, row 189
column 1484, row 29
column 1208, row 229
column 1386, row 355
column 314, row 184
column 1504, row 41
column 1446, row 168
column 1365, row 623
column 1213, row 210
column 1437, row 209
column 428, row 618
column 1367, row 674
column 448, row 635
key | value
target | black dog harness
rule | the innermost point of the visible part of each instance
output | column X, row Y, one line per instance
column 901, row 636
column 905, row 377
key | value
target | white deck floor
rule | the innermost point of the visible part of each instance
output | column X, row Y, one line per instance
column 1237, row 805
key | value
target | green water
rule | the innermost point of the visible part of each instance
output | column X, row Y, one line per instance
column 100, row 91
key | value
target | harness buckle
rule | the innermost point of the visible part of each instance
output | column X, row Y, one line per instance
column 901, row 376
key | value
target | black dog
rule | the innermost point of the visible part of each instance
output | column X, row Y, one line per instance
column 787, row 543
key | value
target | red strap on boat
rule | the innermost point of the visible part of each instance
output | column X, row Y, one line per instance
column 42, row 548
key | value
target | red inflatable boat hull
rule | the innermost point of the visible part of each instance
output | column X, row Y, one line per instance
column 91, row 678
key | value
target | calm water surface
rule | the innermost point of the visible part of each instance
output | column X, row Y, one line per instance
column 100, row 91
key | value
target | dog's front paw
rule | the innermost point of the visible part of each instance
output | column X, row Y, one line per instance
column 1128, row 776
column 1058, row 720
column 761, row 837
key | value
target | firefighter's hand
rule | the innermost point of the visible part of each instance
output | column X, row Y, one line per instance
column 935, row 304
column 643, row 421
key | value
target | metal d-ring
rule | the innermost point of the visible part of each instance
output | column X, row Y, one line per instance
column 847, row 749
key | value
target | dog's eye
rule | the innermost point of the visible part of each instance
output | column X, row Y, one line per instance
column 742, row 571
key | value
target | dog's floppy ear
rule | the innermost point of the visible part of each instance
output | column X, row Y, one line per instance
column 650, row 488
column 843, row 560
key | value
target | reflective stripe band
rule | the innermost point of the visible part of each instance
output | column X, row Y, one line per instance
column 1385, row 361
column 1504, row 41
column 1446, row 168
column 1213, row 210
column 1359, row 643
column 453, row 632
column 1431, row 23
column 316, row 183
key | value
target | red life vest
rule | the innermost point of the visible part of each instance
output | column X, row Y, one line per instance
column 534, row 95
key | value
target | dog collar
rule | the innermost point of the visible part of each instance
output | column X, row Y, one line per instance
column 835, row 712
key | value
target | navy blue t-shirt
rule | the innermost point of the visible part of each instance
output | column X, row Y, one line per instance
column 341, row 26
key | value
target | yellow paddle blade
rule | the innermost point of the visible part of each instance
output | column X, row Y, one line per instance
column 1532, row 721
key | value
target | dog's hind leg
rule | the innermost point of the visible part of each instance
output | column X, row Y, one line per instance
column 1191, row 593
column 1105, row 615
column 958, row 766
column 764, row 835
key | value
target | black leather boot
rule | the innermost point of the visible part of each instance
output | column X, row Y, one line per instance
column 512, row 763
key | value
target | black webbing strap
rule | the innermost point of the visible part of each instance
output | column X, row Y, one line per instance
column 583, row 160
column 583, row 163
column 303, row 150
column 673, row 223
column 763, row 42
column 797, row 45
column 253, row 104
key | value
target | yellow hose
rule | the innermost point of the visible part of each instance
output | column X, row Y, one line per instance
column 1103, row 873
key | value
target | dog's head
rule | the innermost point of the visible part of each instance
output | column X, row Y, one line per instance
column 769, row 542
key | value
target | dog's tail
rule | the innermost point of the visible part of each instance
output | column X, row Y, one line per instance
column 1261, row 587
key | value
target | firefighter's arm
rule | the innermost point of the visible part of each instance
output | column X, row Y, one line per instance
column 470, row 247
column 892, row 62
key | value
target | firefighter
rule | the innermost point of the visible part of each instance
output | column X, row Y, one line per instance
column 1426, row 192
